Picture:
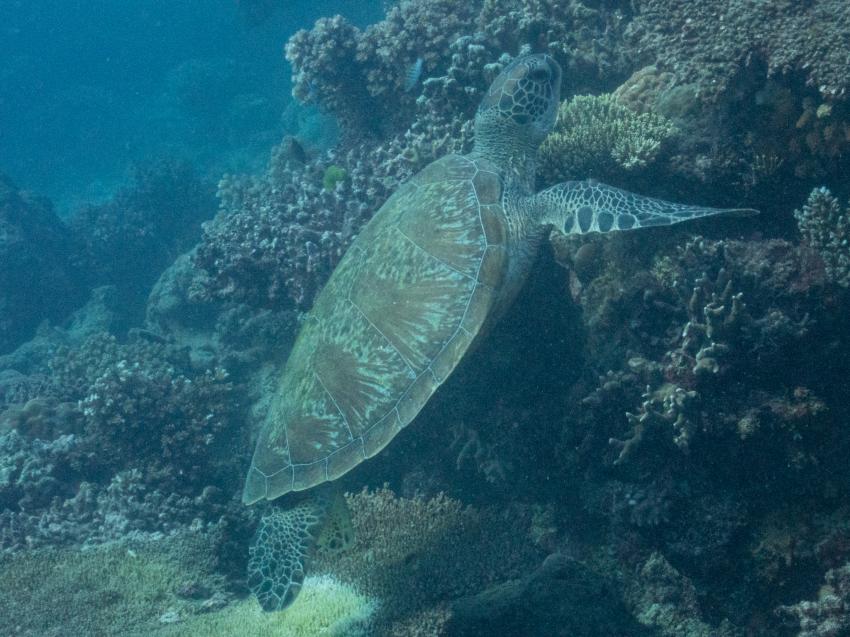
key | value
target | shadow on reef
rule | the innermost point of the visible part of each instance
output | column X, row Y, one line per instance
column 652, row 440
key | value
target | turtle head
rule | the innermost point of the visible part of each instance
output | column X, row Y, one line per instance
column 521, row 105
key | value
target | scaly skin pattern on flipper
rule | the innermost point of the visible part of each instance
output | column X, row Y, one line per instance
column 279, row 554
column 580, row 207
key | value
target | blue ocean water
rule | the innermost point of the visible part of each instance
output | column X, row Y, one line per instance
column 424, row 318
column 89, row 88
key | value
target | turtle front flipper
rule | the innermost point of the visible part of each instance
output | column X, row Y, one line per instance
column 287, row 540
column 580, row 207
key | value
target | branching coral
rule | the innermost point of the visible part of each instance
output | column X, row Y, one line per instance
column 825, row 226
column 143, row 405
column 668, row 413
column 598, row 136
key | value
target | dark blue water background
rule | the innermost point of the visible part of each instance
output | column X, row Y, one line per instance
column 89, row 88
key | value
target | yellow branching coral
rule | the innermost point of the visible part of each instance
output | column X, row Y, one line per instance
column 596, row 135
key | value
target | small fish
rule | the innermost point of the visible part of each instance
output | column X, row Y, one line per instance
column 411, row 78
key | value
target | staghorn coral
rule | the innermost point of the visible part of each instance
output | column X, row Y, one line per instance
column 825, row 227
column 598, row 136
column 667, row 413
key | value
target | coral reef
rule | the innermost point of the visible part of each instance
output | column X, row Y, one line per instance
column 406, row 550
column 36, row 253
column 351, row 72
column 666, row 600
column 708, row 45
column 662, row 414
column 129, row 239
column 562, row 598
column 597, row 136
column 359, row 75
column 829, row 615
column 825, row 227
column 143, row 401
column 113, row 589
column 585, row 37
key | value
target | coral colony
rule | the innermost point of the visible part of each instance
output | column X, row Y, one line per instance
column 652, row 442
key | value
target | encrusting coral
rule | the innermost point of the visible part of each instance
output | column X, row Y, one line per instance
column 708, row 44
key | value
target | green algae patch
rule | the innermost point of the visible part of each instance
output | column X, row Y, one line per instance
column 107, row 590
column 333, row 175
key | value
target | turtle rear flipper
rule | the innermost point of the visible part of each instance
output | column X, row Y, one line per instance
column 286, row 541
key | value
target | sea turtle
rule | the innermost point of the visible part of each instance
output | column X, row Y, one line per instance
column 426, row 277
